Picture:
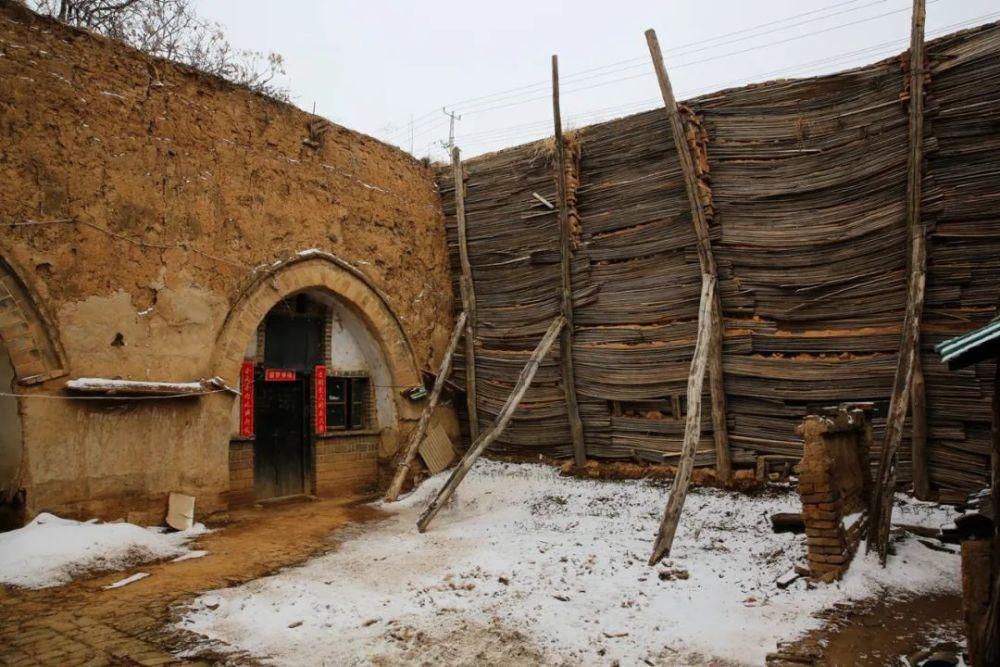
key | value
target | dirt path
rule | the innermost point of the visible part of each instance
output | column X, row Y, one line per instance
column 877, row 632
column 81, row 624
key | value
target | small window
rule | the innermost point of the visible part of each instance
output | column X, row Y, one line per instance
column 346, row 403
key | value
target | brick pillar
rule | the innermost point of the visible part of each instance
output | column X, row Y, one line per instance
column 241, row 482
column 834, row 485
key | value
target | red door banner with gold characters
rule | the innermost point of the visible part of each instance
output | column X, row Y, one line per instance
column 246, row 399
column 319, row 396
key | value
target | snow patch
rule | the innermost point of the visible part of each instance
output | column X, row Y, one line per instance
column 51, row 551
column 556, row 567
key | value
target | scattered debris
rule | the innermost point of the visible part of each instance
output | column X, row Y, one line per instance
column 138, row 576
column 180, row 511
column 786, row 580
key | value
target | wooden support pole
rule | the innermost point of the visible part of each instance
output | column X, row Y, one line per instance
column 880, row 516
column 413, row 446
column 720, row 430
column 566, row 297
column 692, row 427
column 988, row 640
column 468, row 291
column 918, row 431
column 981, row 563
column 498, row 426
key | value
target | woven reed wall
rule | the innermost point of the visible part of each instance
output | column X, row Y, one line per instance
column 808, row 181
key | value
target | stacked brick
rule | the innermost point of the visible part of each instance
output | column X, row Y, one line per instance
column 346, row 464
column 241, row 491
column 834, row 486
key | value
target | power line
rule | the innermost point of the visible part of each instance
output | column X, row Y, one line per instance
column 680, row 47
column 891, row 46
column 530, row 89
column 728, row 54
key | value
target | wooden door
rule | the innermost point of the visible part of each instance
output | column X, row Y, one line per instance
column 280, row 442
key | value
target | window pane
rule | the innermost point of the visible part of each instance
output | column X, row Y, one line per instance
column 335, row 389
column 336, row 415
column 359, row 401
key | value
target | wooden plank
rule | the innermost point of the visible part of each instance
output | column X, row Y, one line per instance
column 705, row 257
column 882, row 498
column 499, row 424
column 413, row 445
column 692, row 427
column 566, row 290
column 468, row 291
column 436, row 450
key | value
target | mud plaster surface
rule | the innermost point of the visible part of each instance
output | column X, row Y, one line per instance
column 207, row 180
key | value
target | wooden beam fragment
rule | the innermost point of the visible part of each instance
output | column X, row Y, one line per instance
column 498, row 426
column 566, row 291
column 692, row 426
column 720, row 430
column 413, row 446
column 468, row 291
column 882, row 497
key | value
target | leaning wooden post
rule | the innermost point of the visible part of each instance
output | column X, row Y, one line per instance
column 988, row 640
column 918, row 430
column 692, row 427
column 881, row 510
column 720, row 430
column 468, row 291
column 413, row 446
column 566, row 300
column 498, row 426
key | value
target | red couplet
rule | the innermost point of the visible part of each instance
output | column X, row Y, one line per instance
column 246, row 399
column 319, row 396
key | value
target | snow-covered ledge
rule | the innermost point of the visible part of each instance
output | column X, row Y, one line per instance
column 119, row 387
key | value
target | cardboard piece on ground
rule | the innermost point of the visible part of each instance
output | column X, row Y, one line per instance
column 180, row 511
column 436, row 450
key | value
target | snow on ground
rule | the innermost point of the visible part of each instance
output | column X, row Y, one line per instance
column 529, row 567
column 51, row 551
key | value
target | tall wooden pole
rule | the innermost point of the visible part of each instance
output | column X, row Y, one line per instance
column 565, row 266
column 984, row 642
column 498, row 426
column 720, row 430
column 918, row 431
column 692, row 427
column 909, row 348
column 413, row 446
column 468, row 290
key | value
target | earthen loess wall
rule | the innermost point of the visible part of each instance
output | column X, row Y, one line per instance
column 160, row 194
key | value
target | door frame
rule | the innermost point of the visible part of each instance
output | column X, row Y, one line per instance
column 307, row 441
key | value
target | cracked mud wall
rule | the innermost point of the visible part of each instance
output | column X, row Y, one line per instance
column 161, row 190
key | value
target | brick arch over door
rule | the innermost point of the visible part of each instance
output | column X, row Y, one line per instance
column 327, row 273
column 26, row 332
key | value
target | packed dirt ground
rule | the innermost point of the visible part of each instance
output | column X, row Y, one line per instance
column 448, row 613
column 83, row 624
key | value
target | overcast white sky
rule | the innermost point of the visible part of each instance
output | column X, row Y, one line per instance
column 372, row 65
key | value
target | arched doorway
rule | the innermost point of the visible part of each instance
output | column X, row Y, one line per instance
column 321, row 361
column 290, row 340
column 11, row 444
column 30, row 354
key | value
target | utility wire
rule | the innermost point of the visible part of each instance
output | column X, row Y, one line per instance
column 530, row 129
column 720, row 56
column 699, row 43
column 519, row 99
